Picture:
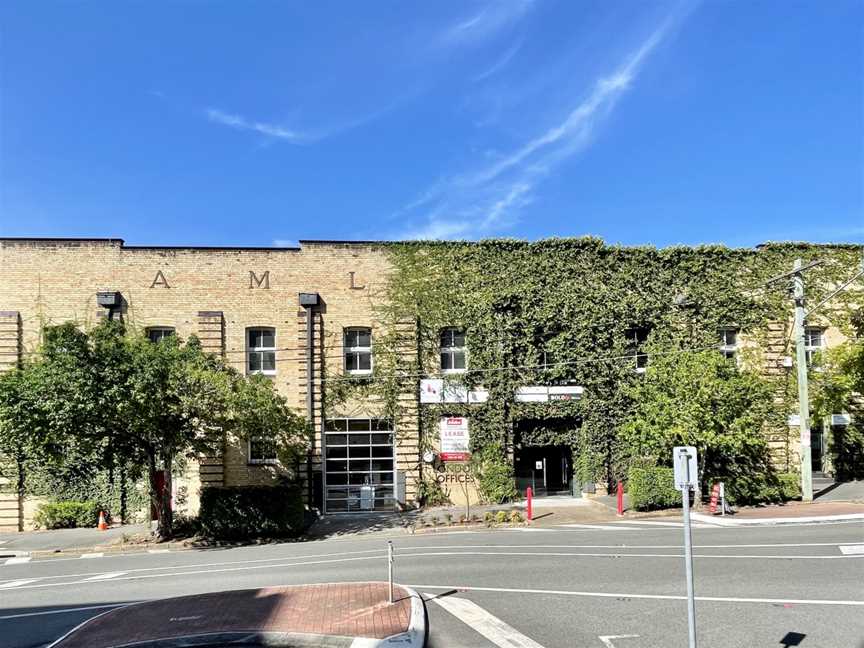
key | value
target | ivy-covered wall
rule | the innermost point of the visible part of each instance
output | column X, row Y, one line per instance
column 577, row 299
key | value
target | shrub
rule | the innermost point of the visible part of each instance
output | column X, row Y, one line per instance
column 239, row 512
column 489, row 518
column 652, row 487
column 516, row 517
column 762, row 488
column 67, row 515
column 501, row 517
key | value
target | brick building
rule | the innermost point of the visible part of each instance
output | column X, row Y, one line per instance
column 250, row 305
column 304, row 316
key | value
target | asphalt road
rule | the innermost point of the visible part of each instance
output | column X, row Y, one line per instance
column 618, row 585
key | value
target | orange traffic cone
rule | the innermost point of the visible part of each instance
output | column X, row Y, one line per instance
column 103, row 525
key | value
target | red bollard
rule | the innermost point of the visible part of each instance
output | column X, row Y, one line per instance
column 529, row 494
column 620, row 498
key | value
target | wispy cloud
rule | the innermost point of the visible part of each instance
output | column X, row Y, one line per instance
column 501, row 63
column 488, row 199
column 239, row 122
column 486, row 23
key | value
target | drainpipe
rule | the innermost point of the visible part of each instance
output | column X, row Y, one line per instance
column 309, row 301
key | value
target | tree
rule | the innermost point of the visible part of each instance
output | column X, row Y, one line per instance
column 839, row 387
column 700, row 399
column 114, row 394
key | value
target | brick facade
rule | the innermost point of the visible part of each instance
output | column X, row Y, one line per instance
column 216, row 294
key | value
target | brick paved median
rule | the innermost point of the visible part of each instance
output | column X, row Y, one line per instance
column 340, row 610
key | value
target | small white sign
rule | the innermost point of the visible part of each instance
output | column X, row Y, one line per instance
column 686, row 467
column 538, row 465
column 435, row 390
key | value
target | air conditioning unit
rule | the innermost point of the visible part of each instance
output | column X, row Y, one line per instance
column 108, row 299
column 787, row 362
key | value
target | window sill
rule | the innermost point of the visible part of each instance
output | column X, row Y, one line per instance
column 640, row 370
column 261, row 373
column 262, row 462
column 450, row 372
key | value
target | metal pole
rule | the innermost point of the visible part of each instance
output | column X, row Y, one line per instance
column 390, row 568
column 688, row 554
column 803, row 395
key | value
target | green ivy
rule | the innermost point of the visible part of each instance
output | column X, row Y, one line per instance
column 575, row 299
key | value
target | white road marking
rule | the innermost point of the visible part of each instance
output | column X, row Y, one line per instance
column 17, row 583
column 607, row 639
column 604, row 527
column 526, row 529
column 62, row 611
column 2, row 542
column 491, row 627
column 158, row 551
column 17, row 561
column 105, row 576
column 93, row 555
column 853, row 550
column 661, row 597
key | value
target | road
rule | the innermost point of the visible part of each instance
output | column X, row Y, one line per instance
column 617, row 584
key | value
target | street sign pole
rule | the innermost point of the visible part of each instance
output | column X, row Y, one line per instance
column 685, row 473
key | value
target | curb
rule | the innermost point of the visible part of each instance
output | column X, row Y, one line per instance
column 727, row 522
column 414, row 637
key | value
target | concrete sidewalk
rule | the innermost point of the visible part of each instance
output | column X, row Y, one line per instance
column 57, row 540
column 335, row 615
column 789, row 513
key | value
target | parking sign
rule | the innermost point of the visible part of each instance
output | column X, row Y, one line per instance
column 686, row 467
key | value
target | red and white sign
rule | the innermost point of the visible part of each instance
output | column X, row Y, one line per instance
column 454, row 438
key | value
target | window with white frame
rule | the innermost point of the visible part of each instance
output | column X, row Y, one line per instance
column 813, row 341
column 358, row 350
column 262, row 451
column 636, row 338
column 159, row 333
column 261, row 351
column 729, row 342
column 454, row 355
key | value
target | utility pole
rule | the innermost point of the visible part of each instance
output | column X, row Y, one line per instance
column 803, row 392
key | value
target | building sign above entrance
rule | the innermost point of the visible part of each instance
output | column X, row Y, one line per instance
column 544, row 394
column 454, row 438
column 435, row 390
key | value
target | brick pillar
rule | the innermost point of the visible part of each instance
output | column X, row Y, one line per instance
column 315, row 459
column 211, row 332
column 407, row 425
column 11, row 506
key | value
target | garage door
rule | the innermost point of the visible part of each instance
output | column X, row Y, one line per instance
column 359, row 465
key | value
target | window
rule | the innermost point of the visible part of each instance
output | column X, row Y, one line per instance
column 159, row 333
column 359, row 468
column 453, row 352
column 358, row 350
column 812, row 343
column 636, row 338
column 261, row 351
column 728, row 342
column 262, row 451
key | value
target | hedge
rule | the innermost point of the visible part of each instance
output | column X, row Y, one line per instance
column 762, row 489
column 238, row 512
column 67, row 515
column 652, row 487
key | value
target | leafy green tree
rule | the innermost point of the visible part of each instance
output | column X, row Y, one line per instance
column 839, row 387
column 700, row 399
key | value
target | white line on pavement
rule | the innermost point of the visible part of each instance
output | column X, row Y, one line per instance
column 526, row 529
column 662, row 597
column 158, row 551
column 853, row 550
column 178, row 570
column 607, row 639
column 107, row 576
column 62, row 611
column 491, row 627
column 17, row 583
column 93, row 555
column 17, row 561
column 604, row 527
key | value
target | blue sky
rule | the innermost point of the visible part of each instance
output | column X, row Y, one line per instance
column 260, row 123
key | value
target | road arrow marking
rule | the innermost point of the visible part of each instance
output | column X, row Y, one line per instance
column 92, row 555
column 491, row 627
column 17, row 561
column 105, row 576
column 607, row 639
